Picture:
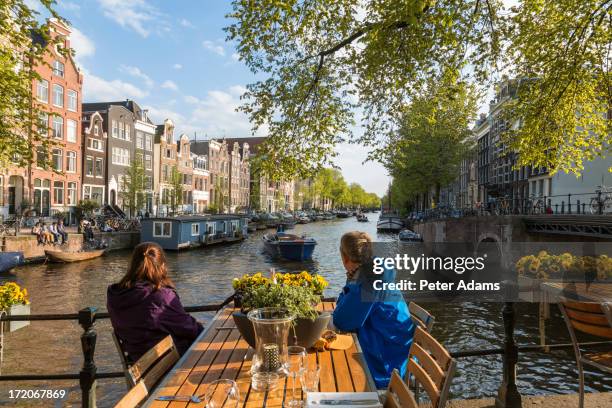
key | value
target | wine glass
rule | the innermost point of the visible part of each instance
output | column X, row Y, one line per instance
column 310, row 378
column 296, row 360
column 222, row 393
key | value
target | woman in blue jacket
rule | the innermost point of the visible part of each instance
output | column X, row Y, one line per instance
column 380, row 318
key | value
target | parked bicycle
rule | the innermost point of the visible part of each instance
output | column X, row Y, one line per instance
column 602, row 202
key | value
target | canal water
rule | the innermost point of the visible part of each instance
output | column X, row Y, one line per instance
column 204, row 276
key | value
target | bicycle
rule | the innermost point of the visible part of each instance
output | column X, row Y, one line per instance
column 601, row 202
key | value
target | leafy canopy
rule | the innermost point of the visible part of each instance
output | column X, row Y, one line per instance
column 320, row 62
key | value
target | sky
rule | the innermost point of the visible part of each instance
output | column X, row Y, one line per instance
column 171, row 57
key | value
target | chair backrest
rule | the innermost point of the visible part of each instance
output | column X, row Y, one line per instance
column 421, row 317
column 432, row 367
column 134, row 396
column 154, row 363
column 588, row 318
column 123, row 356
column 398, row 394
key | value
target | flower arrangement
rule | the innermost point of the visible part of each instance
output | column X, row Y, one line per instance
column 315, row 282
column 12, row 294
column 545, row 265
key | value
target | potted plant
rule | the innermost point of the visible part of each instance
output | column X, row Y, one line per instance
column 299, row 294
column 14, row 301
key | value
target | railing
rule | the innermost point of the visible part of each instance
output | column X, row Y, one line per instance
column 88, row 374
column 594, row 203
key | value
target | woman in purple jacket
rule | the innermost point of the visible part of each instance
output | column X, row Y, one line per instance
column 144, row 306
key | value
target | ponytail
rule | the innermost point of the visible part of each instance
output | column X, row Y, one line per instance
column 148, row 264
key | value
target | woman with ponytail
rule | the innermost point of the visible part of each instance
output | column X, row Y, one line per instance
column 380, row 318
column 144, row 306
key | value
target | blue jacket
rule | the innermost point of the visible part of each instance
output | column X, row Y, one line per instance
column 382, row 322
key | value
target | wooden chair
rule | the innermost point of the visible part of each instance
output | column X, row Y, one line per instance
column 594, row 319
column 421, row 317
column 398, row 395
column 431, row 366
column 125, row 359
column 145, row 373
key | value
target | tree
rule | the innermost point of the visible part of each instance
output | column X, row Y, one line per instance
column 176, row 181
column 320, row 62
column 132, row 190
column 20, row 126
column 433, row 138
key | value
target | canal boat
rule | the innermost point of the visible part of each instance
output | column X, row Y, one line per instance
column 389, row 222
column 362, row 218
column 288, row 246
column 342, row 214
column 407, row 235
column 190, row 231
column 72, row 256
column 9, row 260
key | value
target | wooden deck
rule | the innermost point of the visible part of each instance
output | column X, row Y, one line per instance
column 220, row 352
column 594, row 292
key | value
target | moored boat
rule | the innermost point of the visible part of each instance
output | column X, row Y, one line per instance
column 9, row 260
column 67, row 256
column 289, row 246
column 342, row 214
column 407, row 235
column 389, row 222
column 362, row 218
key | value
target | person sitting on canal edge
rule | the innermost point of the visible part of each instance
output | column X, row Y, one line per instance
column 381, row 319
column 48, row 237
column 37, row 230
column 61, row 231
column 53, row 230
column 144, row 306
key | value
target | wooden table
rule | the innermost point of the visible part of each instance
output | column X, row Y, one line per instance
column 220, row 352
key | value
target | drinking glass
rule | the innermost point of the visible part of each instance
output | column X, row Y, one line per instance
column 222, row 393
column 310, row 378
column 295, row 365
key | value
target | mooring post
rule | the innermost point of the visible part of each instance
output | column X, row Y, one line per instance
column 508, row 395
column 87, row 375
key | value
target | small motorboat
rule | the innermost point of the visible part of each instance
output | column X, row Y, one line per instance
column 9, row 260
column 68, row 256
column 389, row 222
column 362, row 218
column 289, row 246
column 342, row 214
column 409, row 236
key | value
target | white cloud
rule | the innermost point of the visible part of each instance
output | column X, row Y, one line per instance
column 168, row 84
column 236, row 56
column 137, row 15
column 371, row 175
column 96, row 88
column 214, row 46
column 177, row 66
column 83, row 46
column 34, row 5
column 159, row 114
column 192, row 100
column 70, row 6
column 137, row 73
column 186, row 23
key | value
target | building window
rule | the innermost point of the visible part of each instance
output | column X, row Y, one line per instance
column 57, row 157
column 58, row 127
column 43, row 124
column 148, row 142
column 71, row 131
column 58, row 69
column 121, row 156
column 95, row 144
column 72, row 100
column 148, row 183
column 89, row 165
column 58, row 95
column 42, row 91
column 115, row 129
column 148, row 162
column 58, row 192
column 165, row 172
column 41, row 157
column 162, row 229
column 96, row 129
column 99, row 167
column 195, row 230
column 71, row 199
column 71, row 159
column 139, row 140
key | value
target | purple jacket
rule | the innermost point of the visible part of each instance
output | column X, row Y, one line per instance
column 142, row 317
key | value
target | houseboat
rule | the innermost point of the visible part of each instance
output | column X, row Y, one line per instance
column 189, row 231
column 390, row 222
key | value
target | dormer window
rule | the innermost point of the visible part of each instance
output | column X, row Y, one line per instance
column 58, row 69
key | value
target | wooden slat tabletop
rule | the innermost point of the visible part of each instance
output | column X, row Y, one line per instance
column 593, row 292
column 220, row 352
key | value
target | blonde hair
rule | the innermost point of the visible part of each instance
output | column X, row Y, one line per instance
column 357, row 246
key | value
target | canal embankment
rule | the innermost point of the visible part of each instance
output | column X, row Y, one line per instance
column 591, row 400
column 34, row 252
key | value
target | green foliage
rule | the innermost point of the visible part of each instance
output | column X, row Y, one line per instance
column 176, row 181
column 132, row 190
column 320, row 62
column 85, row 208
column 20, row 128
column 434, row 136
column 330, row 184
column 300, row 301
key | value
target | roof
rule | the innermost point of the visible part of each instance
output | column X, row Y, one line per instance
column 253, row 141
column 195, row 218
